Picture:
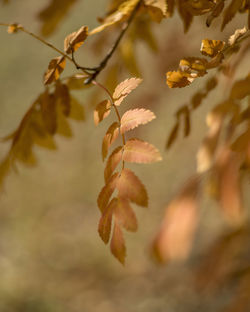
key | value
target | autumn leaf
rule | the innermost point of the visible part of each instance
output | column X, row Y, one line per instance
column 48, row 109
column 139, row 151
column 101, row 111
column 105, row 222
column 13, row 28
column 193, row 67
column 157, row 9
column 135, row 117
column 175, row 238
column 230, row 12
column 110, row 136
column 56, row 67
column 124, row 88
column 113, row 161
column 117, row 245
column 62, row 96
column 125, row 215
column 74, row 40
column 130, row 187
column 211, row 47
column 122, row 13
column 76, row 109
column 106, row 192
column 241, row 88
column 216, row 11
column 177, row 79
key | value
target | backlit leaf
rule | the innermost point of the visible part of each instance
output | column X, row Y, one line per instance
column 211, row 47
column 112, row 162
column 73, row 41
column 106, row 192
column 124, row 88
column 110, row 136
column 135, row 117
column 56, row 67
column 117, row 245
column 101, row 111
column 130, row 187
column 105, row 222
column 139, row 151
column 176, row 79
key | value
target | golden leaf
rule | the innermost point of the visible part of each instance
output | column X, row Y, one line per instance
column 62, row 96
column 101, row 111
column 56, row 67
column 241, row 88
column 139, row 151
column 130, row 187
column 135, row 117
column 177, row 79
column 230, row 12
column 124, row 88
column 113, row 161
column 13, row 28
column 185, row 15
column 117, row 245
column 211, row 47
column 122, row 13
column 76, row 109
column 157, row 9
column 216, row 11
column 110, row 136
column 106, row 192
column 105, row 222
column 193, row 67
column 76, row 82
column 74, row 40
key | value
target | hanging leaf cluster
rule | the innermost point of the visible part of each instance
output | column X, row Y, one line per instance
column 128, row 186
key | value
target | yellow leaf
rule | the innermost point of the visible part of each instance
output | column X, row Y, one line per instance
column 101, row 111
column 177, row 79
column 73, row 41
column 157, row 9
column 56, row 67
column 13, row 28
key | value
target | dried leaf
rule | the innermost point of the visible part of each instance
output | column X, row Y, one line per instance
column 175, row 238
column 105, row 222
column 139, row 151
column 73, row 41
column 193, row 67
column 130, row 187
column 157, row 9
column 110, row 136
column 113, row 161
column 123, row 12
column 117, row 245
column 135, row 117
column 48, row 109
column 102, row 111
column 106, row 192
column 230, row 12
column 124, row 88
column 62, row 96
column 216, row 11
column 13, row 28
column 237, row 34
column 52, row 15
column 211, row 47
column 177, row 79
column 56, row 67
column 241, row 89
column 125, row 215
column 185, row 15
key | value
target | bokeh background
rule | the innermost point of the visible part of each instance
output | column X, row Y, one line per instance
column 51, row 256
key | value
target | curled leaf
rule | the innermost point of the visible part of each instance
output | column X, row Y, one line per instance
column 74, row 40
column 55, row 68
column 101, row 111
column 211, row 47
column 124, row 88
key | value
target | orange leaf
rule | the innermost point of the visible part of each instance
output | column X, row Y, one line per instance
column 102, row 111
column 124, row 88
column 112, row 162
column 110, row 136
column 105, row 222
column 211, row 47
column 13, row 28
column 135, row 117
column 130, row 187
column 106, row 192
column 125, row 215
column 73, row 41
column 56, row 67
column 174, row 240
column 157, row 9
column 117, row 245
column 139, row 151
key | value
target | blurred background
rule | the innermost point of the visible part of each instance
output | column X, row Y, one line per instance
column 51, row 256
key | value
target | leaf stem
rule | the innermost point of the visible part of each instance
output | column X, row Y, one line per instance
column 94, row 82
